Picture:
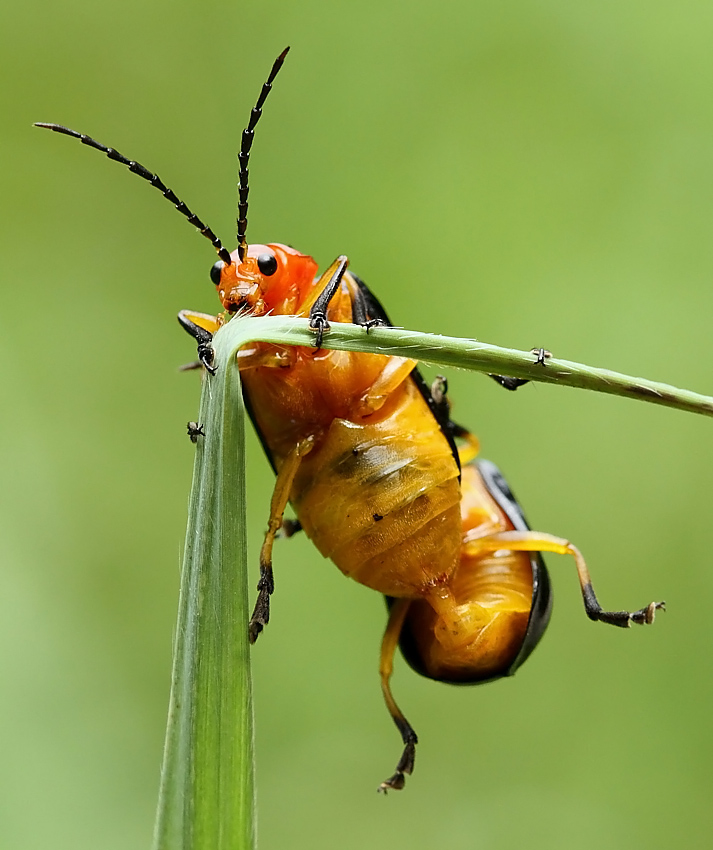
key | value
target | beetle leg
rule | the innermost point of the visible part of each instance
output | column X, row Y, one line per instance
column 536, row 541
column 394, row 373
column 195, row 430
column 270, row 356
column 280, row 497
column 541, row 355
column 324, row 291
column 360, row 311
column 201, row 327
column 472, row 445
column 289, row 527
column 509, row 383
column 389, row 643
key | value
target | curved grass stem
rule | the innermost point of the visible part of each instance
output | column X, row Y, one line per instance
column 469, row 354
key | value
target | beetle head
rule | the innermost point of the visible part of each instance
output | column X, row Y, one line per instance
column 269, row 279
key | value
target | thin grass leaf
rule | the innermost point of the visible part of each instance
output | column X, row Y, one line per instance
column 206, row 799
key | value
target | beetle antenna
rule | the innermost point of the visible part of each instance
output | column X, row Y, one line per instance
column 244, row 156
column 153, row 179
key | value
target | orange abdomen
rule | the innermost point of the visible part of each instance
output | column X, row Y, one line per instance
column 378, row 494
column 480, row 636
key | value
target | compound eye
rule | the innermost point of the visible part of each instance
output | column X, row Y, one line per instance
column 267, row 263
column 215, row 272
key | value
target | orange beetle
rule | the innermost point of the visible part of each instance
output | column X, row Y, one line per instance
column 381, row 479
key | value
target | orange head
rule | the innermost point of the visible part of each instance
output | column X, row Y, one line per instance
column 272, row 278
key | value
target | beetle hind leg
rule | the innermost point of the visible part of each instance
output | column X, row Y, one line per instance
column 623, row 619
column 389, row 643
column 537, row 541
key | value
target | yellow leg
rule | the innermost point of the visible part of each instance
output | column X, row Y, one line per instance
column 536, row 541
column 280, row 497
column 386, row 665
column 270, row 356
column 394, row 373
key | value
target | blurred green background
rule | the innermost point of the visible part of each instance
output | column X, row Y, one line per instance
column 530, row 173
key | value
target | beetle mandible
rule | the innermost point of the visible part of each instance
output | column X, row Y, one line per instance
column 380, row 478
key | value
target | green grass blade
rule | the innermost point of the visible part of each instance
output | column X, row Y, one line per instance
column 206, row 799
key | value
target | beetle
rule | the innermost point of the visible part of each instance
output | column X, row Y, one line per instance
column 380, row 477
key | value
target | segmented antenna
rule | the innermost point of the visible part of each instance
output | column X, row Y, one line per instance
column 244, row 156
column 153, row 179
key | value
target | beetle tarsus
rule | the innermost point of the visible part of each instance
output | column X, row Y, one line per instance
column 509, row 383
column 328, row 284
column 646, row 616
column 541, row 355
column 261, row 612
column 206, row 356
column 289, row 527
column 393, row 783
column 203, row 337
column 318, row 323
column 512, row 384
column 373, row 323
column 195, row 430
column 405, row 765
column 622, row 619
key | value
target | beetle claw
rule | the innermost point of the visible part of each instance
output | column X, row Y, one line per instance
column 318, row 323
column 256, row 625
column 394, row 783
column 261, row 613
column 541, row 355
column 405, row 765
column 195, row 430
column 646, row 616
column 373, row 323
column 206, row 355
column 623, row 619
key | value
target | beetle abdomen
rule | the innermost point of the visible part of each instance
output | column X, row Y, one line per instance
column 479, row 631
column 381, row 497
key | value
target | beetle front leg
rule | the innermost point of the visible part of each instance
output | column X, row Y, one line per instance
column 280, row 497
column 508, row 383
column 325, row 289
column 536, row 541
column 201, row 327
column 390, row 641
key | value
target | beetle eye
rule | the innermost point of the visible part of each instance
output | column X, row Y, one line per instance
column 215, row 272
column 267, row 263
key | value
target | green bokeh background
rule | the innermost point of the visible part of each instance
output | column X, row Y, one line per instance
column 531, row 173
